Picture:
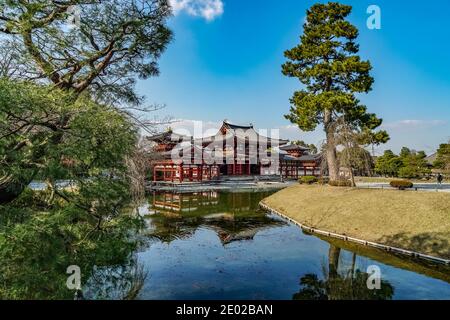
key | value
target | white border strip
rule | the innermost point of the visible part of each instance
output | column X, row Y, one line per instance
column 359, row 241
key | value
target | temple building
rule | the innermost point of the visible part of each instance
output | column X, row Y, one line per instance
column 235, row 150
column 297, row 161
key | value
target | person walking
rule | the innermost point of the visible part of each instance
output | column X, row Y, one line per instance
column 440, row 178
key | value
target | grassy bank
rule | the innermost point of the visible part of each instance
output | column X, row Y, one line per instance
column 418, row 221
column 387, row 180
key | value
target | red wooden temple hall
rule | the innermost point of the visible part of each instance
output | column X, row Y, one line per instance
column 235, row 150
column 297, row 161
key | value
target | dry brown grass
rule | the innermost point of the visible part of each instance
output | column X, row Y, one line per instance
column 418, row 221
column 387, row 180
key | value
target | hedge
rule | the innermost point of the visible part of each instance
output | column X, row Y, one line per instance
column 401, row 184
column 308, row 180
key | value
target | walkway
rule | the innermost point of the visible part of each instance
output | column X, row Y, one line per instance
column 445, row 187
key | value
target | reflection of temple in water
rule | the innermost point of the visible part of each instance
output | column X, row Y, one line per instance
column 211, row 202
column 183, row 202
column 233, row 216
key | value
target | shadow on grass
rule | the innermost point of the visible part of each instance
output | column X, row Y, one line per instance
column 431, row 243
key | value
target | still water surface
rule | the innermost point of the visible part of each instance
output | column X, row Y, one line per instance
column 220, row 245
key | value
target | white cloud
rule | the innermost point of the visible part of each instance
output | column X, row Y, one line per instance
column 207, row 9
column 195, row 128
column 414, row 124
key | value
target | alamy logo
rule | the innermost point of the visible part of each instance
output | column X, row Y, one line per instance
column 374, row 279
column 74, row 280
column 374, row 20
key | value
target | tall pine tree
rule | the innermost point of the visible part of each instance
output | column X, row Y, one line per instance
column 115, row 42
column 326, row 61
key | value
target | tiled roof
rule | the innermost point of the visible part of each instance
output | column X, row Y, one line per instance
column 231, row 126
column 431, row 158
column 242, row 132
column 292, row 147
column 306, row 157
column 168, row 136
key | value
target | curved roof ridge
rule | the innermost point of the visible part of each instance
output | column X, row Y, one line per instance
column 229, row 125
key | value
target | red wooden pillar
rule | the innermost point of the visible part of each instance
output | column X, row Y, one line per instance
column 181, row 173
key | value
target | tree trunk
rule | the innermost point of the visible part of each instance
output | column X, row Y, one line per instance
column 352, row 177
column 332, row 163
column 333, row 261
column 352, row 270
column 10, row 191
column 12, row 185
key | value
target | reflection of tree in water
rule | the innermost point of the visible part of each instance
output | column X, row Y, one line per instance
column 341, row 285
column 122, row 282
column 35, row 255
column 233, row 216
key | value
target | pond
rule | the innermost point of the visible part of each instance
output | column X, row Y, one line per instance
column 221, row 245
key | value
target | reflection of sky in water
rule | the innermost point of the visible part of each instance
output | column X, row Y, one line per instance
column 267, row 267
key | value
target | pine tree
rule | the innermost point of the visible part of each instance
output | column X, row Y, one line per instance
column 115, row 42
column 326, row 61
column 443, row 157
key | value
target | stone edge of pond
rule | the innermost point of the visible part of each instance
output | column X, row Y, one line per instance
column 387, row 248
column 218, row 187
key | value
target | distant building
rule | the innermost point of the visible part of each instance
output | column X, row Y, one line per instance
column 235, row 150
column 431, row 159
column 298, row 161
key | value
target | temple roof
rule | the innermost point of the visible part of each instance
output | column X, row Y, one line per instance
column 248, row 132
column 168, row 136
column 306, row 157
column 310, row 157
column 231, row 126
column 294, row 147
column 227, row 130
column 431, row 158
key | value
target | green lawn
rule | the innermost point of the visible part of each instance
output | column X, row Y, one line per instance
column 418, row 221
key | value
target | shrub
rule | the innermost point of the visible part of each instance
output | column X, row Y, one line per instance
column 308, row 180
column 323, row 180
column 408, row 173
column 340, row 183
column 401, row 184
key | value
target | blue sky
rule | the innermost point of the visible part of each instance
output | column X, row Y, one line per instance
column 225, row 63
